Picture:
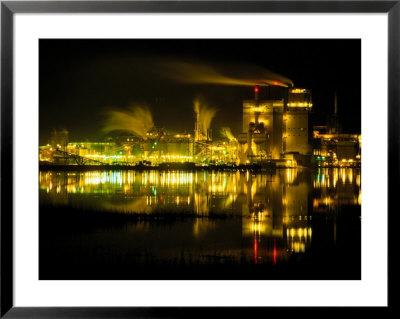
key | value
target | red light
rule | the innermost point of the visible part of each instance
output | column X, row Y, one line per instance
column 256, row 89
column 255, row 251
column 276, row 83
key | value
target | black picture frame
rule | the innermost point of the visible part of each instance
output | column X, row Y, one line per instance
column 9, row 8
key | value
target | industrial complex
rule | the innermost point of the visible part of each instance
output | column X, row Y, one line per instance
column 275, row 133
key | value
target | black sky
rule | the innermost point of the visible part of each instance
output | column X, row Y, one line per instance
column 79, row 80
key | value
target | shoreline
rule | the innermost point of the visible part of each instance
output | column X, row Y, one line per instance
column 179, row 166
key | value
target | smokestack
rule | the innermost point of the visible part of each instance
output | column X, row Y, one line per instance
column 256, row 91
column 335, row 105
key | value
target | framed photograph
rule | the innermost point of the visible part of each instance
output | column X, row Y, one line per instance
column 186, row 158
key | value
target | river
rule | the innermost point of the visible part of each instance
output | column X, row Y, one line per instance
column 286, row 224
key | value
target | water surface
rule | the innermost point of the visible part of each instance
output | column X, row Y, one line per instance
column 288, row 224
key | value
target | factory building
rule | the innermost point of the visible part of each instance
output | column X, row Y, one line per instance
column 59, row 138
column 275, row 129
column 336, row 149
column 331, row 147
column 296, row 122
column 275, row 133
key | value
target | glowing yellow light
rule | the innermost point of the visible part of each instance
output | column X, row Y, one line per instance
column 300, row 232
column 298, row 90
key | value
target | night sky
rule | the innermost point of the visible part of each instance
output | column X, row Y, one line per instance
column 80, row 80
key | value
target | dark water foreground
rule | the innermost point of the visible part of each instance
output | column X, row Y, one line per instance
column 200, row 225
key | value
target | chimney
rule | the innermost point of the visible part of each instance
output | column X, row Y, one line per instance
column 335, row 105
column 256, row 91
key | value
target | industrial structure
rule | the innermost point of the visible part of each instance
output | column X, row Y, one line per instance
column 275, row 133
column 331, row 147
column 276, row 130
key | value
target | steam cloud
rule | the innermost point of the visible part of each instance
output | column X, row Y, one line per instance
column 226, row 132
column 235, row 74
column 136, row 119
column 204, row 114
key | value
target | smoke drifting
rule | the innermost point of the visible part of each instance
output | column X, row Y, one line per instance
column 136, row 119
column 235, row 74
column 227, row 133
column 204, row 114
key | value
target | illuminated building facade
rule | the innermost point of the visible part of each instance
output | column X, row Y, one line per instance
column 296, row 122
column 336, row 149
column 276, row 127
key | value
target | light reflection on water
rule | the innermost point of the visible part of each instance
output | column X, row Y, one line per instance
column 272, row 213
column 203, row 191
